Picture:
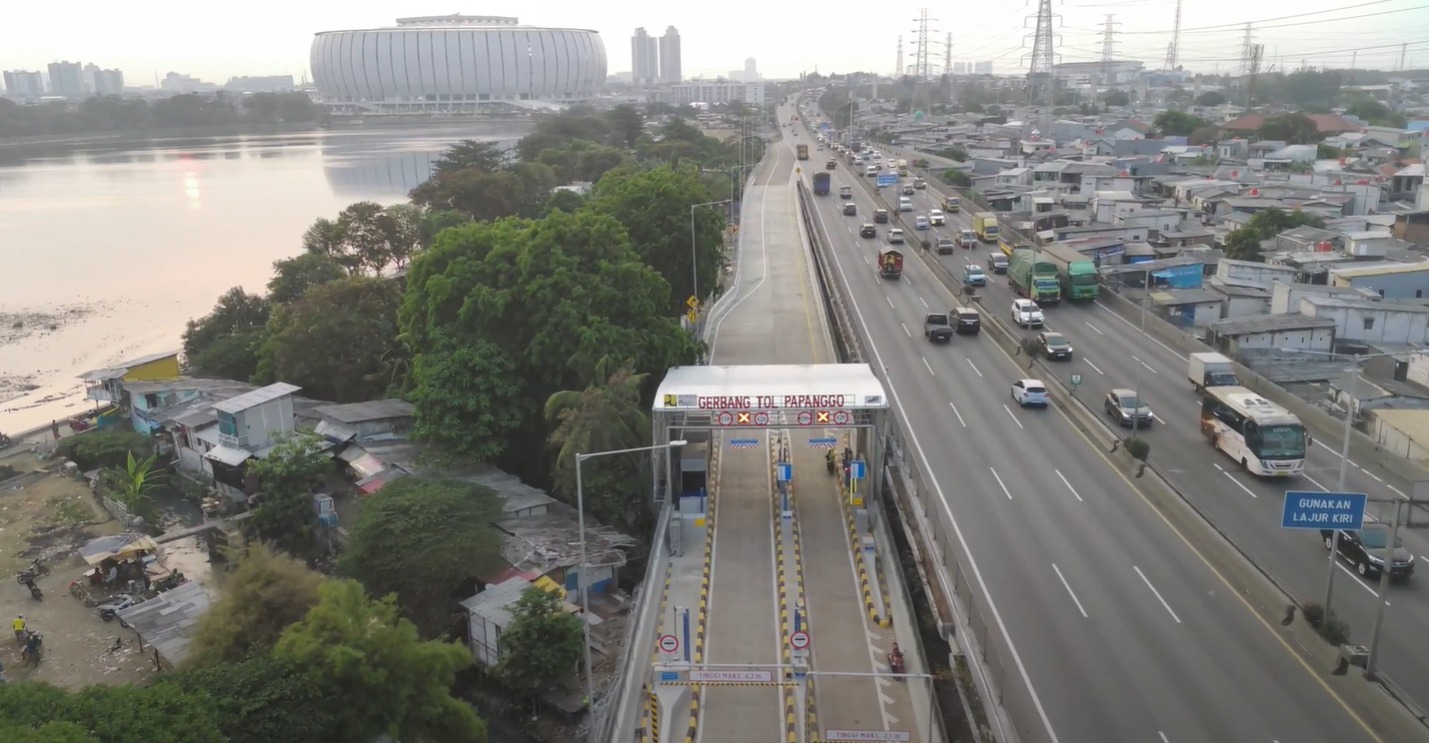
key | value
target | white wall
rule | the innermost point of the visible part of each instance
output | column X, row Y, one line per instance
column 1259, row 274
column 1245, row 306
column 1386, row 325
column 1317, row 339
column 1398, row 442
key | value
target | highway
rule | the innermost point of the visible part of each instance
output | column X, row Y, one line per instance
column 776, row 318
column 1118, row 627
column 1109, row 351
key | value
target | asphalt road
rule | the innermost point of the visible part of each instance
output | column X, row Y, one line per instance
column 1121, row 630
column 1110, row 351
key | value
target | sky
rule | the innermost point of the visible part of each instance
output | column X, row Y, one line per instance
column 263, row 37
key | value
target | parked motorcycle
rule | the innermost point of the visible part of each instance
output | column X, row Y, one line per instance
column 35, row 570
column 895, row 661
column 35, row 592
column 110, row 609
column 4, row 441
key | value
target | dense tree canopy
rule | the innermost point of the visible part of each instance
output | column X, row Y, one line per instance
column 1294, row 128
column 226, row 341
column 268, row 592
column 425, row 541
column 287, row 479
column 111, row 714
column 1175, row 123
column 607, row 414
column 1244, row 243
column 541, row 646
column 333, row 340
column 293, row 277
column 128, row 115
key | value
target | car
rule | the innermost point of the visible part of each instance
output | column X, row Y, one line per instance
column 1365, row 550
column 907, row 189
column 1055, row 346
column 845, row 192
column 880, row 216
column 895, row 236
column 1026, row 313
column 868, row 230
column 1030, row 392
column 973, row 275
column 831, row 165
column 850, row 209
column 870, row 172
column 920, row 223
column 905, row 204
column 997, row 263
column 937, row 328
column 968, row 239
column 945, row 245
column 920, row 184
column 1123, row 407
column 936, row 217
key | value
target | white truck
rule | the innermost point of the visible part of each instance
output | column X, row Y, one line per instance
column 1211, row 370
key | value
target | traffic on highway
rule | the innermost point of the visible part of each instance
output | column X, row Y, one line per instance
column 1115, row 625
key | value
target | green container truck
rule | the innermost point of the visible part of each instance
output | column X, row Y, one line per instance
column 1080, row 280
column 1034, row 277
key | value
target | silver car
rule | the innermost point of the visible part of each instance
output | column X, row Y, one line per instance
column 1124, row 408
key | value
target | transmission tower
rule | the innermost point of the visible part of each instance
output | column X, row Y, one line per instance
column 920, row 64
column 948, row 56
column 1041, row 78
column 900, row 72
column 1247, row 48
column 1257, row 51
column 1403, row 49
column 1173, row 48
column 1108, row 46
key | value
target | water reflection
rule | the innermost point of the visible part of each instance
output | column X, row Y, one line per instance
column 371, row 163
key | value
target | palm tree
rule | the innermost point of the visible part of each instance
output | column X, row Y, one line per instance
column 135, row 481
column 606, row 415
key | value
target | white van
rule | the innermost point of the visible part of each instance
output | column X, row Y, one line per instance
column 871, row 171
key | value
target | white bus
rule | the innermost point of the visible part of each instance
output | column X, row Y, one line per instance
column 1263, row 437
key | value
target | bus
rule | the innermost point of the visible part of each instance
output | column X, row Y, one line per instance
column 1263, row 437
column 803, row 151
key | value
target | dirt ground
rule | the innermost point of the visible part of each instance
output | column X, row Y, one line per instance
column 49, row 516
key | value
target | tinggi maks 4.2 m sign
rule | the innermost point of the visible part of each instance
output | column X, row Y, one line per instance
column 769, row 402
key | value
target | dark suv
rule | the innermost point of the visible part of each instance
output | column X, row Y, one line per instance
column 880, row 216
column 1365, row 550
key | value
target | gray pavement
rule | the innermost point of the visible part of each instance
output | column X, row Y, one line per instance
column 1110, row 625
column 1111, row 350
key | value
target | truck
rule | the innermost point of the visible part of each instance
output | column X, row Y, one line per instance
column 1034, row 277
column 890, row 263
column 985, row 225
column 821, row 184
column 936, row 327
column 803, row 151
column 1008, row 245
column 1080, row 281
column 967, row 239
column 1211, row 370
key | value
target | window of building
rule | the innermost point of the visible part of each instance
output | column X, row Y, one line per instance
column 1369, row 323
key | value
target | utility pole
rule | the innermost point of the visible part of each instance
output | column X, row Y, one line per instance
column 899, row 72
column 948, row 55
column 1041, row 72
column 1108, row 47
column 1403, row 49
column 1173, row 48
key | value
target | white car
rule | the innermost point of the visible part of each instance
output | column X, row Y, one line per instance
column 936, row 218
column 905, row 204
column 1026, row 313
column 1030, row 392
column 895, row 236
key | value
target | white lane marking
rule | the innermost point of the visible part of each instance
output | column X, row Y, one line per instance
column 974, row 366
column 997, row 619
column 1145, row 580
column 764, row 267
column 1164, row 739
column 924, row 301
column 1307, row 476
column 890, row 302
column 1373, row 475
column 1148, row 336
column 1094, row 366
column 1013, row 417
column 1148, row 366
column 1359, row 580
column 906, row 330
column 959, row 415
column 1069, row 485
column 1238, row 483
column 999, row 481
column 927, row 366
column 1094, row 328
column 1068, row 586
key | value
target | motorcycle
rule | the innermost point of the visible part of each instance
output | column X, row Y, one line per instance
column 4, row 441
column 34, row 648
column 895, row 663
column 110, row 609
column 35, row 570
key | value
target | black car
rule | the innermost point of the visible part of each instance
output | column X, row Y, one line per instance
column 880, row 216
column 868, row 230
column 850, row 209
column 1126, row 409
column 1055, row 346
column 997, row 263
column 1365, row 550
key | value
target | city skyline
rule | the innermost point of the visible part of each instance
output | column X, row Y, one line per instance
column 1332, row 33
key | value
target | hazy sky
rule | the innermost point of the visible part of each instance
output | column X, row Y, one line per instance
column 258, row 37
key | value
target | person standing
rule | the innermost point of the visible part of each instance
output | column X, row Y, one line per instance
column 55, row 429
column 19, row 626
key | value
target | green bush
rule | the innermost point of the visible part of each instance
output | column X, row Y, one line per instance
column 1138, row 448
column 104, row 449
column 1333, row 629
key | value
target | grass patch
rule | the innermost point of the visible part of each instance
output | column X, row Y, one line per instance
column 70, row 511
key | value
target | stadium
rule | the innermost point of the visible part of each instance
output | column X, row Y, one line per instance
column 455, row 64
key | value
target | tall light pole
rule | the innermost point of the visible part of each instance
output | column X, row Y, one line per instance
column 694, row 252
column 1372, row 663
column 1136, row 409
column 582, row 584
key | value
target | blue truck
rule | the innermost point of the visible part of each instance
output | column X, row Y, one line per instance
column 821, row 184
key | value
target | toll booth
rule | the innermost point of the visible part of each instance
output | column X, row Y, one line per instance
column 692, row 473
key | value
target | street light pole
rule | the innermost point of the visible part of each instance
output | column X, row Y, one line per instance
column 694, row 251
column 581, row 584
column 1344, row 472
column 1383, row 601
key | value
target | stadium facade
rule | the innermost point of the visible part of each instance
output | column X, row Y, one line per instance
column 455, row 64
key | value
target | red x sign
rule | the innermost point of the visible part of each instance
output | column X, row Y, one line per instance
column 744, row 419
column 823, row 416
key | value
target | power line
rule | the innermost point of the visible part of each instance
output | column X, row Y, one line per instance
column 1331, row 52
column 1223, row 26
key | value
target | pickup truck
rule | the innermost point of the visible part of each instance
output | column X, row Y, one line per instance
column 936, row 327
column 945, row 245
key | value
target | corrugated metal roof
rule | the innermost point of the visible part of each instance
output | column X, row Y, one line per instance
column 169, row 621
column 369, row 410
column 256, row 397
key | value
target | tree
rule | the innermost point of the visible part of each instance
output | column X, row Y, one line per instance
column 402, row 227
column 269, row 591
column 225, row 342
column 391, row 681
column 655, row 208
column 1244, row 243
column 434, row 221
column 112, row 714
column 466, row 395
column 1117, row 98
column 332, row 340
column 292, row 277
column 264, row 699
column 324, row 237
column 136, row 481
column 1375, row 113
column 50, row 732
column 364, row 233
column 1174, row 123
column 287, row 479
column 957, row 178
column 565, row 200
column 470, row 153
column 1211, row 98
column 955, row 153
column 1294, row 128
column 1204, row 135
column 606, row 415
column 542, row 644
column 426, row 542
column 626, row 125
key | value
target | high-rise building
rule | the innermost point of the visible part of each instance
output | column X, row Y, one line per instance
column 67, row 79
column 644, row 58
column 261, row 84
column 670, row 68
column 108, row 82
column 24, row 84
column 751, row 69
column 982, row 68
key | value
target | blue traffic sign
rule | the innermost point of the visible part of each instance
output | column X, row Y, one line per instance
column 1308, row 509
column 826, row 442
column 784, row 471
column 669, row 677
column 857, row 469
column 887, row 179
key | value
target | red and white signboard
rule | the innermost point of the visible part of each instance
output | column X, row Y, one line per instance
column 799, row 640
column 669, row 644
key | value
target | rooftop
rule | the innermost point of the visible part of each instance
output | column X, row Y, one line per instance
column 847, row 386
column 1379, row 269
column 255, row 398
column 370, row 410
column 168, row 622
column 119, row 370
column 1269, row 324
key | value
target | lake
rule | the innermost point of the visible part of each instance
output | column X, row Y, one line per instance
column 109, row 248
